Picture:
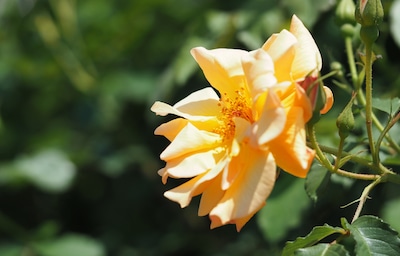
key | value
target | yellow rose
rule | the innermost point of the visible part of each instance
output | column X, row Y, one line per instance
column 229, row 144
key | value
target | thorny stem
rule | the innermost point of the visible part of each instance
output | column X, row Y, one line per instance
column 360, row 93
column 325, row 162
column 364, row 196
column 368, row 102
column 339, row 154
column 350, row 59
column 377, row 123
column 392, row 122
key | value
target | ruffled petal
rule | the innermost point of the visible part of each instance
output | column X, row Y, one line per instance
column 183, row 194
column 201, row 105
column 222, row 68
column 271, row 122
column 249, row 191
column 289, row 149
column 308, row 58
column 211, row 196
column 190, row 139
column 188, row 166
column 281, row 48
column 172, row 128
column 259, row 69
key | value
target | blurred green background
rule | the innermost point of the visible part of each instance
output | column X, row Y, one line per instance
column 78, row 158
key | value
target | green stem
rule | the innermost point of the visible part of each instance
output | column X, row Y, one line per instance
column 339, row 154
column 356, row 81
column 364, row 197
column 377, row 123
column 385, row 131
column 360, row 160
column 368, row 100
column 327, row 164
column 350, row 59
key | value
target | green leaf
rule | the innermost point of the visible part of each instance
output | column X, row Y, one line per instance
column 49, row 170
column 316, row 180
column 70, row 244
column 374, row 237
column 284, row 208
column 390, row 213
column 389, row 106
column 11, row 250
column 323, row 250
column 395, row 21
column 317, row 234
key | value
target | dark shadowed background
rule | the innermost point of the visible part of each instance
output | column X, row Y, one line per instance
column 78, row 158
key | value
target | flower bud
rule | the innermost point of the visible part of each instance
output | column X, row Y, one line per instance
column 337, row 66
column 345, row 12
column 369, row 12
column 345, row 120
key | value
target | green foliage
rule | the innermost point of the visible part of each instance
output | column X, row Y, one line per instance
column 389, row 106
column 373, row 236
column 317, row 179
column 395, row 21
column 70, row 244
column 285, row 208
column 78, row 157
column 323, row 250
column 316, row 235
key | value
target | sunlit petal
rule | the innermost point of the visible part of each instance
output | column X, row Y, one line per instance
column 183, row 194
column 259, row 69
column 222, row 68
column 282, row 52
column 250, row 189
column 289, row 149
column 308, row 58
column 189, row 139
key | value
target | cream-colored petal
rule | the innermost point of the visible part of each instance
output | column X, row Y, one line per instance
column 164, row 175
column 201, row 102
column 201, row 105
column 271, row 123
column 308, row 58
column 295, row 96
column 211, row 196
column 222, row 68
column 170, row 129
column 259, row 69
column 188, row 166
column 289, row 149
column 250, row 189
column 282, row 52
column 190, row 139
column 183, row 194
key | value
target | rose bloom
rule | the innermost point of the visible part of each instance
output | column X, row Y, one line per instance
column 227, row 145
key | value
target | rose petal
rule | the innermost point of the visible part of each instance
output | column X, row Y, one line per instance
column 183, row 194
column 271, row 122
column 201, row 105
column 308, row 58
column 281, row 48
column 222, row 68
column 249, row 191
column 190, row 139
column 289, row 149
column 259, row 69
column 188, row 166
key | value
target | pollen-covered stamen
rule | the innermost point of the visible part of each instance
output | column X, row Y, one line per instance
column 240, row 106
